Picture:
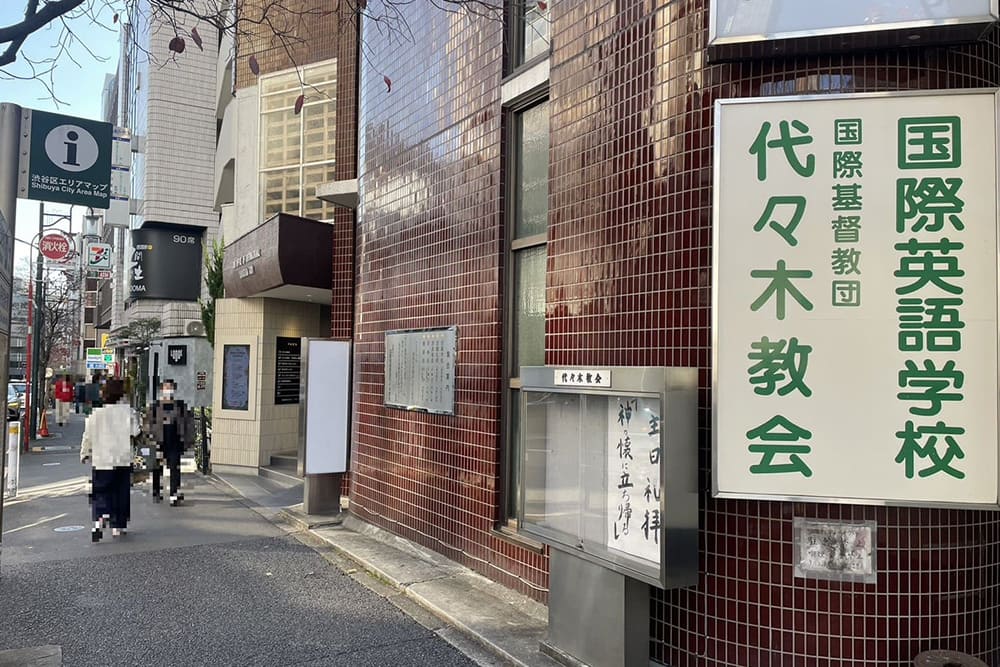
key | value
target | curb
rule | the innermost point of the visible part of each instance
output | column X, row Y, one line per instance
column 451, row 581
column 52, row 448
column 308, row 522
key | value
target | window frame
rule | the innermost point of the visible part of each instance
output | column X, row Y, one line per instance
column 301, row 166
column 515, row 30
column 509, row 518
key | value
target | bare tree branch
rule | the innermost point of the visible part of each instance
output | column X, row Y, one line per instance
column 259, row 25
column 14, row 35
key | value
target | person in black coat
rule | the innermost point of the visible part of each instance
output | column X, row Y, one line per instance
column 80, row 393
column 170, row 425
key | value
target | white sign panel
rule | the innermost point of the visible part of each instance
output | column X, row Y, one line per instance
column 633, row 451
column 750, row 20
column 582, row 377
column 121, row 178
column 856, row 298
column 327, row 406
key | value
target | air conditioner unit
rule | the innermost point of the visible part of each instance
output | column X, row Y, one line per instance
column 194, row 328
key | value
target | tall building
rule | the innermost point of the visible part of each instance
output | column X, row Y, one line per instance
column 288, row 254
column 19, row 328
column 168, row 105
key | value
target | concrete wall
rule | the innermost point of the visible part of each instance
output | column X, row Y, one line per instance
column 199, row 358
column 246, row 180
column 250, row 438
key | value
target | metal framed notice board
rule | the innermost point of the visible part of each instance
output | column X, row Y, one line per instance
column 420, row 369
column 609, row 467
column 855, row 298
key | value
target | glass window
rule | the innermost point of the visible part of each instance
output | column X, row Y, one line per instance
column 298, row 151
column 527, row 257
column 529, row 307
column 533, row 171
column 533, row 31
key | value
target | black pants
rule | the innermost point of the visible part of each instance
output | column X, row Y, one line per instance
column 110, row 495
column 175, row 478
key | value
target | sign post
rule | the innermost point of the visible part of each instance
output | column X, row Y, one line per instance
column 855, row 299
column 47, row 157
column 13, row 447
column 10, row 129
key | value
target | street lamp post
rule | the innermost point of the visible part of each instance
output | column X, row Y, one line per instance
column 34, row 397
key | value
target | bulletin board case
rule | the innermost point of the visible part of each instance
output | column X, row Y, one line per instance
column 609, row 467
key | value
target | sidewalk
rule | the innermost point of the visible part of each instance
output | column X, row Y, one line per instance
column 466, row 609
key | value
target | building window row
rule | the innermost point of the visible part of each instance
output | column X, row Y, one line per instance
column 298, row 150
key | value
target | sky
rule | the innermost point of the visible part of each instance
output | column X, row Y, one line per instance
column 77, row 86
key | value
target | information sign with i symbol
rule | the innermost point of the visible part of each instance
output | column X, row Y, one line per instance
column 65, row 159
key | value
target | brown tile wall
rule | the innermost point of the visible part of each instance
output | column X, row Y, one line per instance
column 630, row 284
column 430, row 254
column 342, row 307
column 295, row 32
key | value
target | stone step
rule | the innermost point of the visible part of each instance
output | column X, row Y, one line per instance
column 279, row 474
column 284, row 461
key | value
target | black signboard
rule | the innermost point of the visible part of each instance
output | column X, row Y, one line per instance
column 177, row 355
column 287, row 370
column 165, row 262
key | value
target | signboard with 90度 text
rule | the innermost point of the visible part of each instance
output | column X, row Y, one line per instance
column 855, row 298
column 65, row 159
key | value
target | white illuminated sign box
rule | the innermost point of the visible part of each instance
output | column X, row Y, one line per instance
column 855, row 298
column 734, row 21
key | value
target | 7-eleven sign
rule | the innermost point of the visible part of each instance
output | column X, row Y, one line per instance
column 98, row 256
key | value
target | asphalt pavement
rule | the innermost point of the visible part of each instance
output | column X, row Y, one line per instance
column 207, row 583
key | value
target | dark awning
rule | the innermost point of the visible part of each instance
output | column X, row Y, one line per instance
column 287, row 257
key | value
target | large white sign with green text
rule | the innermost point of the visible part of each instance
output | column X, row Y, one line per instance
column 855, row 298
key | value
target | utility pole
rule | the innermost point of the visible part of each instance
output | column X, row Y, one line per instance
column 10, row 140
column 35, row 336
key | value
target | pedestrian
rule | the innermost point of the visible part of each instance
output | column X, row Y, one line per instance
column 107, row 444
column 80, row 393
column 170, row 424
column 64, row 396
column 92, row 395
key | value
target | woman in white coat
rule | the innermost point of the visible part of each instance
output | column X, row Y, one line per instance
column 107, row 443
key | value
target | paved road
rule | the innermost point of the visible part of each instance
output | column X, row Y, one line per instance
column 209, row 583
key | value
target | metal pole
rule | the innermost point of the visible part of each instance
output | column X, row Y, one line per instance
column 29, row 402
column 204, row 443
column 36, row 330
column 10, row 140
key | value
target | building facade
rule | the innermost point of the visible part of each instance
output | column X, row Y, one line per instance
column 19, row 329
column 548, row 190
column 168, row 105
column 288, row 270
column 543, row 190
